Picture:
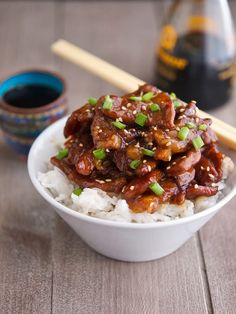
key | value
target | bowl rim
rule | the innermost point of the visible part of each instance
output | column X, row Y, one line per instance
column 89, row 219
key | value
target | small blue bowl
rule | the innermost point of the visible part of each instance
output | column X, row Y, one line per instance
column 20, row 126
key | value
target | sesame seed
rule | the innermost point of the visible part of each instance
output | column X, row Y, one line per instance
column 213, row 184
column 123, row 108
column 107, row 150
column 134, row 112
column 149, row 168
column 126, row 131
column 126, row 144
column 167, row 130
column 137, row 145
column 180, row 117
column 131, row 188
column 143, row 108
column 87, row 110
column 195, row 186
column 211, row 176
column 144, row 161
column 208, row 169
column 168, row 143
column 193, row 101
column 120, row 119
column 182, row 110
column 152, row 204
column 128, row 105
column 174, row 163
column 167, row 136
column 123, row 188
column 150, row 143
column 100, row 181
column 81, row 145
column 167, row 168
column 100, row 131
column 202, row 168
column 177, row 128
column 169, row 159
column 154, row 148
column 108, row 180
column 97, row 127
column 155, row 128
column 183, row 157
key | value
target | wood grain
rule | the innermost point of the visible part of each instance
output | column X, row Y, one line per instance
column 101, row 285
column 44, row 265
column 25, row 219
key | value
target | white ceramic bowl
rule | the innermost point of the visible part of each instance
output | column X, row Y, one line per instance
column 122, row 241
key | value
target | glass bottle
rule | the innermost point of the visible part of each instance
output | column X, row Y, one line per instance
column 196, row 52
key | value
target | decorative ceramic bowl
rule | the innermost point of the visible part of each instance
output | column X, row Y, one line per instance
column 130, row 242
column 20, row 126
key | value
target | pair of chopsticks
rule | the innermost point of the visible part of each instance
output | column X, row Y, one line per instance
column 128, row 83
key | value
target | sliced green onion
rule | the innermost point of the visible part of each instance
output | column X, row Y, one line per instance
column 107, row 103
column 119, row 125
column 156, row 188
column 99, row 153
column 190, row 125
column 148, row 96
column 141, row 119
column 202, row 127
column 77, row 191
column 135, row 98
column 177, row 103
column 134, row 164
column 154, row 107
column 92, row 101
column 198, row 142
column 183, row 133
column 172, row 96
column 148, row 152
column 62, row 153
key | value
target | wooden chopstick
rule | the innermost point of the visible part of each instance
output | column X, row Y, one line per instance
column 129, row 83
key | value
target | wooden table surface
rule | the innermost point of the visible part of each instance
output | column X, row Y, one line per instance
column 44, row 266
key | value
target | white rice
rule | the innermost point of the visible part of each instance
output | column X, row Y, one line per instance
column 97, row 203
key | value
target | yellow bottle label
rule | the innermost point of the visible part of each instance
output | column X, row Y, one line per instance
column 201, row 24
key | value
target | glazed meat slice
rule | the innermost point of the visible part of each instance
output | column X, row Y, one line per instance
column 85, row 163
column 184, row 163
column 77, row 145
column 185, row 178
column 147, row 202
column 200, row 190
column 80, row 119
column 146, row 166
column 212, row 152
column 206, row 173
column 113, row 185
column 167, row 109
column 139, row 185
column 122, row 161
column 104, row 133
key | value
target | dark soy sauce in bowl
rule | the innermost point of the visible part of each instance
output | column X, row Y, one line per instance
column 30, row 96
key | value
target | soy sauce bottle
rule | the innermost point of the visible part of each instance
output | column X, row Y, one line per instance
column 196, row 52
